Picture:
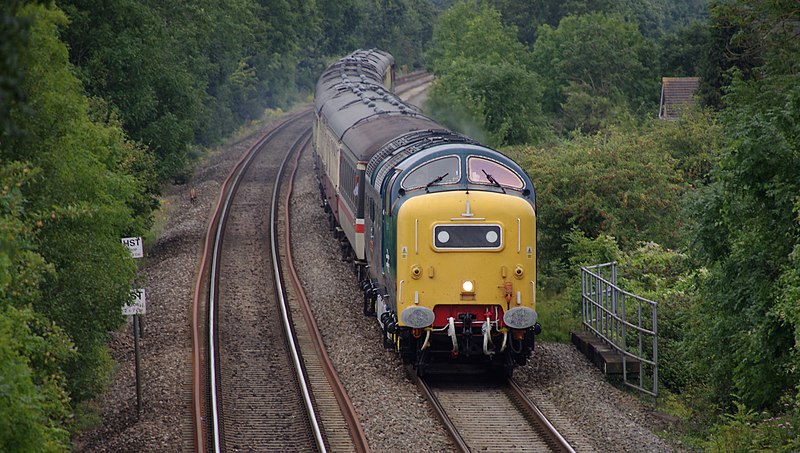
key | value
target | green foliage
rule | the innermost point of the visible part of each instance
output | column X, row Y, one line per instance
column 469, row 32
column 557, row 315
column 13, row 37
column 746, row 430
column 486, row 95
column 694, row 140
column 34, row 406
column 402, row 27
column 83, row 188
column 586, row 80
column 32, row 410
column 683, row 51
column 747, row 229
column 480, row 70
column 653, row 17
column 583, row 251
column 84, row 297
column 616, row 183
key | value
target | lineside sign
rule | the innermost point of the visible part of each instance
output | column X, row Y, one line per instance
column 135, row 246
column 138, row 305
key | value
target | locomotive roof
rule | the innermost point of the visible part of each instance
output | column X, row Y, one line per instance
column 362, row 112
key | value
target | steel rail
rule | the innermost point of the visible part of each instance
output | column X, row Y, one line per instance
column 281, row 290
column 440, row 411
column 554, row 436
column 209, row 246
column 214, row 284
column 342, row 398
column 551, row 435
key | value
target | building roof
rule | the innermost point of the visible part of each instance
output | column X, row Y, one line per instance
column 677, row 93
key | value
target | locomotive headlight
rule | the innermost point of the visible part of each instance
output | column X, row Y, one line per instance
column 468, row 286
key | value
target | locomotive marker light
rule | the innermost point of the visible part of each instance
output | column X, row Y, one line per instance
column 467, row 287
column 468, row 290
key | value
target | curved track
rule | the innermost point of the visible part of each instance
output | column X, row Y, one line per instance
column 259, row 397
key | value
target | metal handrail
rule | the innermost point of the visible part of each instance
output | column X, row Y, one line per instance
column 604, row 308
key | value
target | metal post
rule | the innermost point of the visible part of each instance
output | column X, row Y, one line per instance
column 136, row 353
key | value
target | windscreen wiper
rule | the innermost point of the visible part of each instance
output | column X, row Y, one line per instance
column 493, row 181
column 436, row 180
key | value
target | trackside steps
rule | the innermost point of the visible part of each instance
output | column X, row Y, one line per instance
column 601, row 354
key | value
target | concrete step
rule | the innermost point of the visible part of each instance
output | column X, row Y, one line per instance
column 602, row 355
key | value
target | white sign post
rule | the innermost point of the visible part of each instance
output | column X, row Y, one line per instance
column 138, row 306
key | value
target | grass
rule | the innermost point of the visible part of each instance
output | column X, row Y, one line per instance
column 557, row 316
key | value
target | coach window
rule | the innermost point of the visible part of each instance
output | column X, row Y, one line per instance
column 446, row 170
column 485, row 171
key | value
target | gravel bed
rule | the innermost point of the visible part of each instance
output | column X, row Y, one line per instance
column 594, row 414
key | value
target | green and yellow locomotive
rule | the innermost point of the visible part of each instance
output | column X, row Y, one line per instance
column 441, row 228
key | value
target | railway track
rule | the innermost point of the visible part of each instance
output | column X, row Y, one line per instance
column 483, row 412
column 256, row 370
column 260, row 397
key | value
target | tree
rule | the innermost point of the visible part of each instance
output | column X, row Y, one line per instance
column 683, row 51
column 482, row 78
column 472, row 32
column 747, row 231
column 594, row 61
column 88, row 188
column 617, row 183
column 35, row 407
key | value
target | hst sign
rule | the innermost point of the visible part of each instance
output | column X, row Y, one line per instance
column 135, row 246
column 137, row 306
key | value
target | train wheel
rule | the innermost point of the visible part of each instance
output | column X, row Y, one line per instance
column 386, row 343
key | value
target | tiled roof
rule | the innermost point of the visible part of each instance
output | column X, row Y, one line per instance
column 677, row 93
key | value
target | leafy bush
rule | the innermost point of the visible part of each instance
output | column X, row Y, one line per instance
column 746, row 430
